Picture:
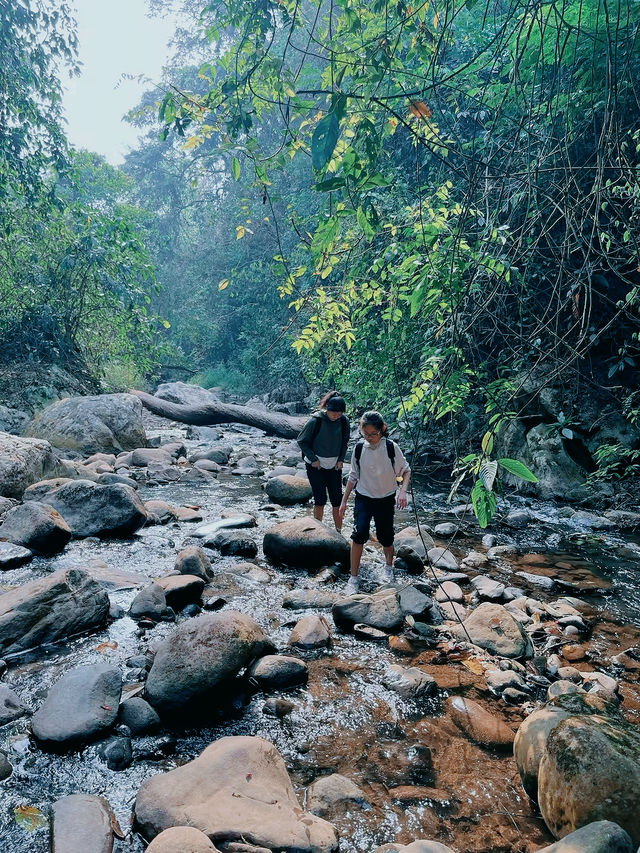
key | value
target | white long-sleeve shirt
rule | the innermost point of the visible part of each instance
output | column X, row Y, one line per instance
column 374, row 477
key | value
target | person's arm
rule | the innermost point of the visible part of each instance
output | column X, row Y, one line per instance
column 345, row 426
column 304, row 442
column 401, row 497
column 347, row 491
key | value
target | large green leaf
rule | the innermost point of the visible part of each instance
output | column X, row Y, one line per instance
column 324, row 141
column 518, row 469
column 484, row 503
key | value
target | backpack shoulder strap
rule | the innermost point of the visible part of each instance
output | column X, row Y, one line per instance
column 391, row 451
column 345, row 429
column 357, row 450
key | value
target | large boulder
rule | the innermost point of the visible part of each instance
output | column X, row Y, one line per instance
column 82, row 823
column 24, row 461
column 64, row 603
column 186, row 394
column 530, row 741
column 94, row 510
column 305, row 543
column 590, row 771
column 287, row 490
column 80, row 706
column 108, row 423
column 238, row 788
column 182, row 839
column 36, row 526
column 195, row 660
column 493, row 628
column 602, row 836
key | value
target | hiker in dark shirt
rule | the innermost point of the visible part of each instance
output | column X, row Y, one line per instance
column 323, row 443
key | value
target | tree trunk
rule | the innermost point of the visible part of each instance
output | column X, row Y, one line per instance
column 272, row 423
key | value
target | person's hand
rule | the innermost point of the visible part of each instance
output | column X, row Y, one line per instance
column 401, row 499
column 342, row 509
column 338, row 466
column 315, row 464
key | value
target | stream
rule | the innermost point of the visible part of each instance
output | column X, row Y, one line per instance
column 421, row 778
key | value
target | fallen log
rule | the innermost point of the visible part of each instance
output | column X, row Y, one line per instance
column 273, row 423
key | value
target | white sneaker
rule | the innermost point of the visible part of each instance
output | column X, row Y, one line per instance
column 387, row 575
column 353, row 584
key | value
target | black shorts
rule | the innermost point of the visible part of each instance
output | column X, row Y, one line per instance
column 323, row 480
column 381, row 510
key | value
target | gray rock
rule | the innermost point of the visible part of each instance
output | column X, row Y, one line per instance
column 493, row 628
column 186, row 394
column 448, row 591
column 518, row 519
column 24, row 461
column 219, row 455
column 381, row 610
column 415, row 847
column 334, row 791
column 305, row 543
column 36, row 526
column 311, row 632
column 233, row 521
column 12, row 556
column 232, row 543
column 193, row 561
column 93, row 510
column 409, row 682
column 80, row 706
column 278, row 672
column 11, row 708
column 287, row 490
column 116, row 753
column 151, row 603
column 107, row 422
column 320, row 599
column 540, row 581
column 442, row 558
column 453, row 611
column 81, row 823
column 199, row 655
column 237, row 788
column 487, row 588
column 6, row 768
column 415, row 602
column 602, row 836
column 180, row 590
column 447, row 528
column 60, row 605
column 12, row 420
column 138, row 715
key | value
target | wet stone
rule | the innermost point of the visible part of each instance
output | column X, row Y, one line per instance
column 332, row 792
column 274, row 707
column 478, row 724
column 409, row 682
column 6, row 768
column 116, row 753
column 366, row 632
column 487, row 588
column 311, row 632
column 12, row 556
column 300, row 599
column 139, row 716
column 182, row 839
column 82, row 823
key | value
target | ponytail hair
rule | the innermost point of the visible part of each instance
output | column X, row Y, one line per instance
column 374, row 419
column 333, row 402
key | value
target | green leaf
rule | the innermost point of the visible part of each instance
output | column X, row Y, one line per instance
column 29, row 818
column 518, row 469
column 324, row 141
column 329, row 185
column 235, row 168
column 364, row 223
column 484, row 503
column 487, row 443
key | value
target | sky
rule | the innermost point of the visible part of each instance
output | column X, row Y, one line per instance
column 116, row 37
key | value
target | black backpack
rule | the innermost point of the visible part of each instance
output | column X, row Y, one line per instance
column 391, row 451
column 318, row 424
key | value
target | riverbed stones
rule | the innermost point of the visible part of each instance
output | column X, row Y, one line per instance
column 409, row 682
column 487, row 588
column 64, row 603
column 138, row 715
column 238, row 788
column 151, row 603
column 278, row 672
column 78, row 707
column 81, row 823
column 311, row 632
column 305, row 543
column 36, row 526
column 448, row 591
column 301, row 599
column 590, row 771
column 180, row 590
column 12, row 556
column 287, row 490
column 442, row 558
column 93, row 510
column 333, row 792
column 232, row 543
column 479, row 724
column 24, row 461
column 493, row 628
column 193, row 561
column 601, row 836
column 182, row 839
column 11, row 708
column 380, row 610
column 195, row 660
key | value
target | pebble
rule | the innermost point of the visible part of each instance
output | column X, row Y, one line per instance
column 274, row 707
column 489, row 540
column 367, row 632
column 446, row 529
column 562, row 687
column 514, row 696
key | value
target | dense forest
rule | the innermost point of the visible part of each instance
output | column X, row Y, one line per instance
column 434, row 207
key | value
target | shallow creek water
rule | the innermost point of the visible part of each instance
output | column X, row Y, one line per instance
column 421, row 777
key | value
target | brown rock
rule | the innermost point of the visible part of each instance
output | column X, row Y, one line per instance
column 181, row 839
column 478, row 724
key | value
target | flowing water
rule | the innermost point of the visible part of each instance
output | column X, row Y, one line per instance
column 420, row 778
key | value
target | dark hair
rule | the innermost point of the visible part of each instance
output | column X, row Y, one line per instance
column 333, row 402
column 374, row 419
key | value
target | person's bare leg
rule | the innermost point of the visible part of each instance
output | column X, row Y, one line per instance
column 336, row 518
column 356, row 556
column 318, row 512
column 388, row 555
